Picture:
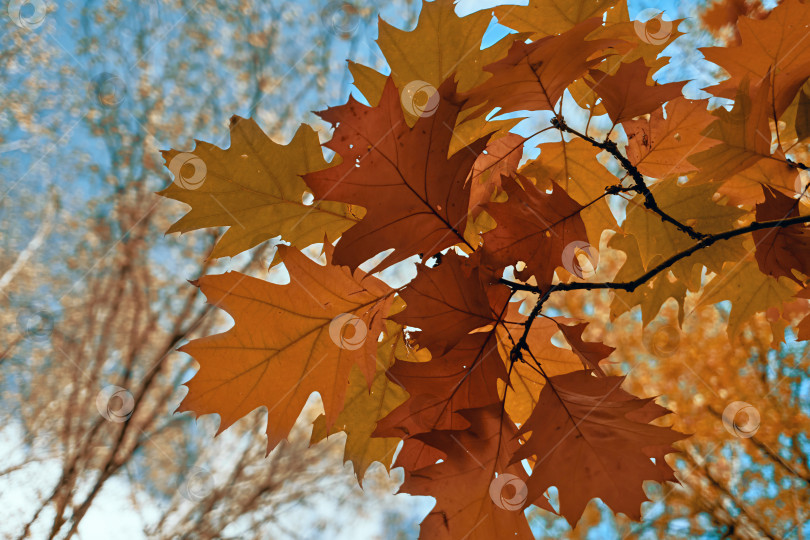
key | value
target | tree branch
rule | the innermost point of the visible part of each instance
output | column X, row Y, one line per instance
column 630, row 286
column 638, row 179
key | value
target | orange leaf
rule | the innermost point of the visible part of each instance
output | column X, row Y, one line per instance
column 626, row 94
column 287, row 342
column 533, row 76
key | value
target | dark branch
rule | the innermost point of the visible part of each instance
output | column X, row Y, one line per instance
column 629, row 286
column 638, row 179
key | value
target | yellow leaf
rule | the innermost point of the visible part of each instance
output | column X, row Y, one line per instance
column 441, row 44
column 255, row 188
column 693, row 206
column 546, row 17
column 364, row 407
column 749, row 290
column 651, row 295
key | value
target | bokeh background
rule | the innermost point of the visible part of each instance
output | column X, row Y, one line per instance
column 94, row 299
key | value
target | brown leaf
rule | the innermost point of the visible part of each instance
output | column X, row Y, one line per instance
column 533, row 227
column 415, row 196
column 591, row 440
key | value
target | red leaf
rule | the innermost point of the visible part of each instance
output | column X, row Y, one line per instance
column 466, row 377
column 479, row 494
column 415, row 197
column 450, row 300
column 591, row 439
column 783, row 249
column 533, row 227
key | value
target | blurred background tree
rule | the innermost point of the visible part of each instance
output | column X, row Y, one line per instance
column 95, row 300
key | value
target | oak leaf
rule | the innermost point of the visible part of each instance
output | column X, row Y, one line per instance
column 534, row 227
column 471, row 501
column 749, row 290
column 770, row 48
column 660, row 146
column 450, row 300
column 416, row 198
column 626, row 94
column 364, row 406
column 782, row 250
column 588, row 444
column 533, row 76
column 548, row 17
column 255, row 188
column 287, row 342
column 574, row 165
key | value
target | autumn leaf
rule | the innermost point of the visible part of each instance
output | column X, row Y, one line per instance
column 780, row 57
column 749, row 290
column 781, row 251
column 533, row 227
column 491, row 355
column 533, row 76
column 416, row 198
column 463, row 378
column 743, row 131
column 626, row 94
column 255, row 188
column 651, row 296
column 364, row 407
column 442, row 44
column 500, row 158
column 525, row 379
column 660, row 146
column 574, row 166
column 549, row 17
column 695, row 206
column 473, row 499
column 306, row 349
column 588, row 444
column 449, row 301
